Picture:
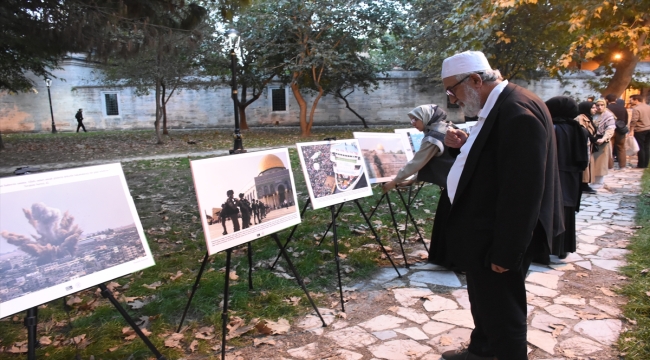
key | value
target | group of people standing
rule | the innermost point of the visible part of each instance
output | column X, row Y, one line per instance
column 233, row 208
column 510, row 188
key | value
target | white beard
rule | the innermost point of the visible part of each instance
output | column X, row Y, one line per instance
column 472, row 106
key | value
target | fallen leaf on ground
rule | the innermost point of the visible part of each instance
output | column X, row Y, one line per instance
column 173, row 341
column 74, row 300
column 239, row 329
column 137, row 304
column 265, row 340
column 589, row 316
column 293, row 300
column 607, row 292
column 582, row 275
column 112, row 286
column 178, row 274
column 445, row 341
column 194, row 345
column 153, row 286
column 272, row 327
column 45, row 340
column 233, row 275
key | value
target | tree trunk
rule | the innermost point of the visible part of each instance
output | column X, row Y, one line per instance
column 302, row 104
column 2, row 144
column 164, row 109
column 313, row 109
column 242, row 109
column 623, row 75
column 158, row 112
column 347, row 105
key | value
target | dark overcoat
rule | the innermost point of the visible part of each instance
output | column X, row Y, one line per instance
column 509, row 188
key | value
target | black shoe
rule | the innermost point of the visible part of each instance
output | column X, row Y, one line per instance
column 587, row 189
column 464, row 355
column 225, row 233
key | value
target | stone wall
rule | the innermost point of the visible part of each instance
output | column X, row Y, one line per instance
column 77, row 86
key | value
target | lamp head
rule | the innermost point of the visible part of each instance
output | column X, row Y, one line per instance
column 233, row 37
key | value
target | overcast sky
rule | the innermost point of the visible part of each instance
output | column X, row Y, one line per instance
column 96, row 204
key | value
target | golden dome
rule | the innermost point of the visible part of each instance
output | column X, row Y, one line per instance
column 270, row 161
column 380, row 146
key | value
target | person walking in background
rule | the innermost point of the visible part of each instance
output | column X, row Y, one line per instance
column 573, row 157
column 587, row 110
column 640, row 128
column 621, row 129
column 502, row 204
column 80, row 120
column 604, row 121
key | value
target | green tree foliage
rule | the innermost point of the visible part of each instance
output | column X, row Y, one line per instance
column 317, row 43
column 530, row 38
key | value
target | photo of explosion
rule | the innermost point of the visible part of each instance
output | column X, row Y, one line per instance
column 59, row 239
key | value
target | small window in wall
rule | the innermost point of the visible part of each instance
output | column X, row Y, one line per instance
column 112, row 108
column 279, row 99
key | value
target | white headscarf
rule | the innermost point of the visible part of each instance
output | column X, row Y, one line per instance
column 430, row 114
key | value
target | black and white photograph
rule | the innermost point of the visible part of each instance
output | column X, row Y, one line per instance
column 384, row 154
column 415, row 137
column 65, row 231
column 245, row 196
column 334, row 171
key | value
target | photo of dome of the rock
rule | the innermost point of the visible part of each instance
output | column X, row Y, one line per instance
column 257, row 195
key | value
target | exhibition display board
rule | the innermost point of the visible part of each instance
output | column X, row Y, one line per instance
column 414, row 135
column 334, row 171
column 384, row 154
column 244, row 197
column 65, row 231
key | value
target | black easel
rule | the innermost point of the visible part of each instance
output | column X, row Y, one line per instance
column 407, row 207
column 109, row 295
column 31, row 320
column 224, row 314
column 332, row 226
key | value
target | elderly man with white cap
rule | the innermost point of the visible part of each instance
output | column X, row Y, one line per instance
column 502, row 204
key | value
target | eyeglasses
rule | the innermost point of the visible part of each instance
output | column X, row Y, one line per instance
column 449, row 89
column 413, row 121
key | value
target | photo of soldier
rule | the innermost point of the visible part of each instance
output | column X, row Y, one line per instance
column 232, row 212
column 256, row 213
column 222, row 217
column 245, row 208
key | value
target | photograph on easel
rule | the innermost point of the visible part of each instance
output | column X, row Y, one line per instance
column 245, row 196
column 65, row 231
column 384, row 154
column 415, row 137
column 334, row 171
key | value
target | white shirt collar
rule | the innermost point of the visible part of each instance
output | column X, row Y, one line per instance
column 492, row 99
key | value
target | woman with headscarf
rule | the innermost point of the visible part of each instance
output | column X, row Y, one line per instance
column 571, row 141
column 605, row 123
column 431, row 120
column 587, row 109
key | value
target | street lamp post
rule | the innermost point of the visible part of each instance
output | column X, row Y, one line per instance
column 48, row 83
column 233, row 41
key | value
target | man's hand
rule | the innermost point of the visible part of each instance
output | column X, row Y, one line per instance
column 389, row 186
column 455, row 138
column 600, row 141
column 498, row 269
column 407, row 183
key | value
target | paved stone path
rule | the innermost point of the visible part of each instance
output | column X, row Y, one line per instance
column 431, row 307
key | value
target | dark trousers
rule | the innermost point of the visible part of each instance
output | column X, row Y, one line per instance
column 80, row 124
column 235, row 222
column 643, row 139
column 619, row 149
column 498, row 305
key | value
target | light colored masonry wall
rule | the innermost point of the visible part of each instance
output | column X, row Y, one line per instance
column 76, row 87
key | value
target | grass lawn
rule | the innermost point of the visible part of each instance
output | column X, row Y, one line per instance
column 635, row 343
column 164, row 196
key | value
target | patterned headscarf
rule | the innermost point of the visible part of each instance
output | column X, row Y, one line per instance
column 430, row 114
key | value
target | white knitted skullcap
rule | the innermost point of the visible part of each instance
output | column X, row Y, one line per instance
column 465, row 62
